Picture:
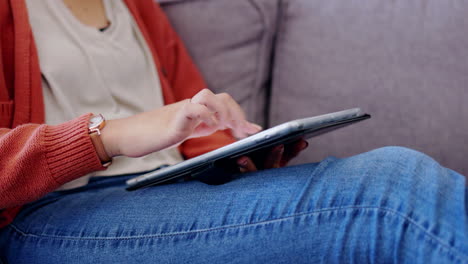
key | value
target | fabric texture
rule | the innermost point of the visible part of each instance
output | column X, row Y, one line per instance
column 391, row 205
column 112, row 81
column 37, row 159
column 404, row 62
column 22, row 103
column 231, row 43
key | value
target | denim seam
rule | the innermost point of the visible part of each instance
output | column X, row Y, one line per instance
column 388, row 210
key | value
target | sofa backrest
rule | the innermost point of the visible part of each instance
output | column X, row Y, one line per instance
column 231, row 42
column 404, row 62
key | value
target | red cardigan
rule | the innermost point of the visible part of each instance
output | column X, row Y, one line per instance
column 35, row 158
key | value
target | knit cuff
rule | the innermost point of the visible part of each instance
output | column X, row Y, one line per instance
column 70, row 154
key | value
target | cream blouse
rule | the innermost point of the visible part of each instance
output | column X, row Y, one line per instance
column 85, row 70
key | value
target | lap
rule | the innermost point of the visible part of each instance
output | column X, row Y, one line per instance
column 293, row 212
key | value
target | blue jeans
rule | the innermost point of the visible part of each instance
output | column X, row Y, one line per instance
column 387, row 205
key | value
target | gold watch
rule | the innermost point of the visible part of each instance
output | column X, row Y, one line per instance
column 96, row 124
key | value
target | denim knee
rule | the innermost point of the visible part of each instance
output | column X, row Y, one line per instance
column 404, row 161
column 401, row 155
column 401, row 170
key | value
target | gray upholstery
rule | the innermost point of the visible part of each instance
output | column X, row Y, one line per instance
column 405, row 62
column 231, row 42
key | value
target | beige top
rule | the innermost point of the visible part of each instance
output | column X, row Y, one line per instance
column 85, row 70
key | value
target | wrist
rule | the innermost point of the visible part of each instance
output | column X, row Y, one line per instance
column 109, row 138
column 97, row 124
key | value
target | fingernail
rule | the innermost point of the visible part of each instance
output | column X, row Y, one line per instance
column 305, row 144
column 257, row 126
column 243, row 162
column 252, row 128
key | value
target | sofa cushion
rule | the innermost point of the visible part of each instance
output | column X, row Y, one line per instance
column 404, row 62
column 230, row 42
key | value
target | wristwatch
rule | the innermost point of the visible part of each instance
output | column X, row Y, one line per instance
column 96, row 124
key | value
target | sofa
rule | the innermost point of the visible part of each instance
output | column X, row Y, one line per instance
column 404, row 62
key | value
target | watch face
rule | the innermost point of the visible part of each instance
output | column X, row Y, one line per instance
column 95, row 121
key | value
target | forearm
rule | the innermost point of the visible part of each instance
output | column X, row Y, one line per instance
column 199, row 119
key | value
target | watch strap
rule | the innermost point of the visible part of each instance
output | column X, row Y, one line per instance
column 100, row 150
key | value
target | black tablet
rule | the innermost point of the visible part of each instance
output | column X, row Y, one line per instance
column 281, row 134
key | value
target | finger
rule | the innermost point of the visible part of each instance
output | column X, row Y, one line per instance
column 191, row 116
column 236, row 117
column 208, row 98
column 246, row 164
column 293, row 151
column 273, row 160
column 200, row 113
column 295, row 148
column 227, row 112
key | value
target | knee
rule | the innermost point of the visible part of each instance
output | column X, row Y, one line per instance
column 397, row 164
column 401, row 155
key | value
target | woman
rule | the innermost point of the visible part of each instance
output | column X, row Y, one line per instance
column 122, row 59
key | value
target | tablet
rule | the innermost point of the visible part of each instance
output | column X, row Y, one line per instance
column 281, row 134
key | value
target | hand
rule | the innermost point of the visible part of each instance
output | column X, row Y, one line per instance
column 276, row 157
column 170, row 125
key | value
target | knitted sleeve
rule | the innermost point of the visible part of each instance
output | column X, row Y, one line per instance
column 37, row 159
